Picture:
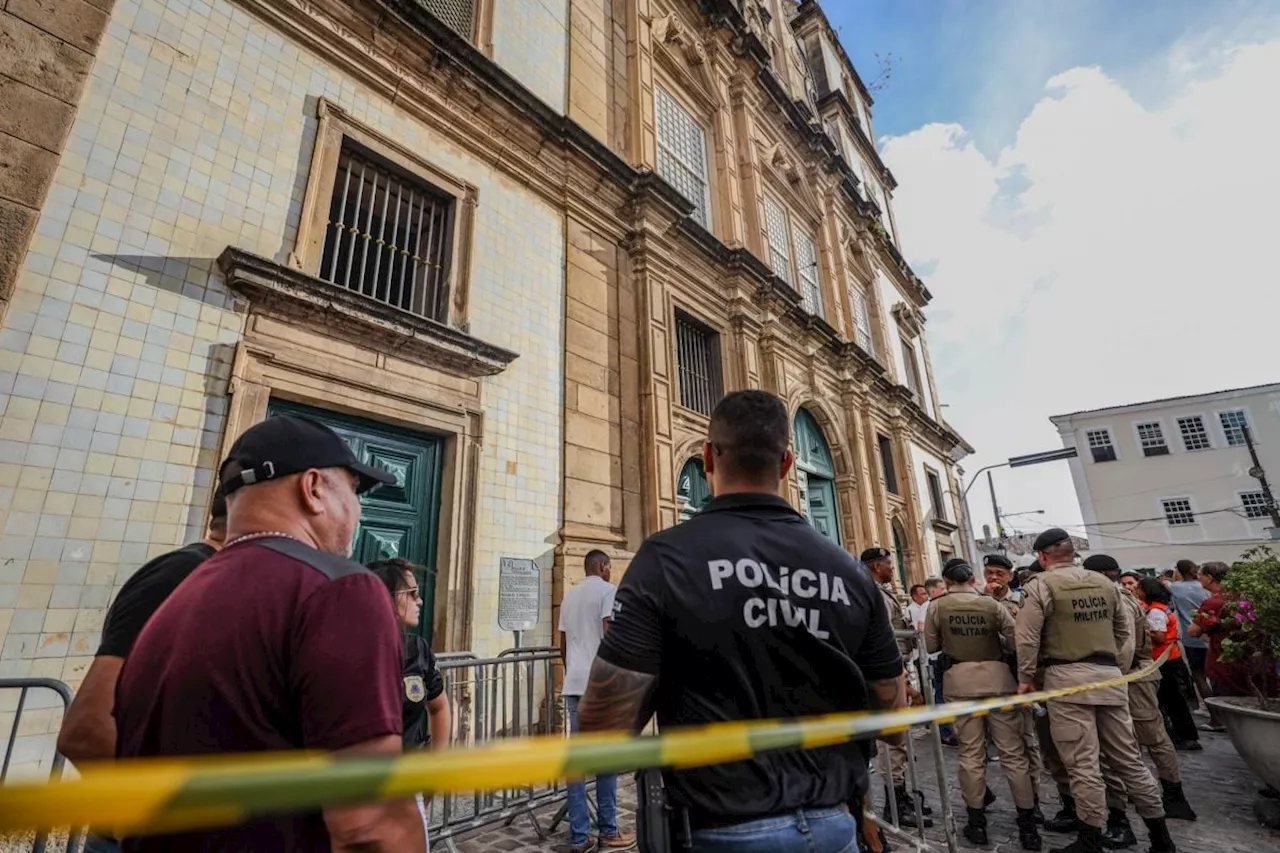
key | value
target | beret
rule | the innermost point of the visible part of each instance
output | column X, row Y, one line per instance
column 874, row 554
column 997, row 560
column 1049, row 538
column 1101, row 563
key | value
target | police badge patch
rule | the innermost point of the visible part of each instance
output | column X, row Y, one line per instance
column 414, row 689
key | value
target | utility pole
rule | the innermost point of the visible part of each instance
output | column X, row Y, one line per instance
column 995, row 508
column 1260, row 475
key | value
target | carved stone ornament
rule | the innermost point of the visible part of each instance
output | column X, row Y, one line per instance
column 909, row 319
column 293, row 296
column 670, row 30
column 777, row 157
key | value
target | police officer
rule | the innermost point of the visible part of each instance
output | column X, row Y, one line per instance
column 1072, row 621
column 891, row 761
column 1148, row 723
column 746, row 612
column 974, row 633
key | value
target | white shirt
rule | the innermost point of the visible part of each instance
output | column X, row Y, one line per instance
column 916, row 613
column 582, row 615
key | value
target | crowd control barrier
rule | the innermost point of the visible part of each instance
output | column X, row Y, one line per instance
column 151, row 795
column 24, row 687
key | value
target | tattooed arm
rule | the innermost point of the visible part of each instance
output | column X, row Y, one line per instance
column 617, row 699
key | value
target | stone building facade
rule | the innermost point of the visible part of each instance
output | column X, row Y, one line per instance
column 513, row 250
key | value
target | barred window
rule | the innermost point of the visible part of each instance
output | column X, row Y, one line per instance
column 682, row 154
column 861, row 320
column 1177, row 512
column 1100, row 445
column 1255, row 504
column 1151, row 437
column 1194, row 435
column 807, row 266
column 775, row 226
column 1234, row 424
column 388, row 236
column 457, row 15
column 698, row 359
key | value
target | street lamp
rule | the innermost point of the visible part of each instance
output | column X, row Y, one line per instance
column 1012, row 462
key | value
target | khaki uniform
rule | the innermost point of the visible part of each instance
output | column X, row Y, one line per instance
column 891, row 761
column 1073, row 621
column 975, row 631
column 1148, row 722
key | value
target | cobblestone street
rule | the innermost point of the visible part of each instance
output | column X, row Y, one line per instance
column 1221, row 789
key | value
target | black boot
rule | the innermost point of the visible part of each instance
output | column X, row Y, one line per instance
column 1065, row 820
column 1036, row 813
column 1028, row 835
column 976, row 830
column 1158, row 830
column 989, row 797
column 1118, row 832
column 1176, row 806
column 924, row 807
column 907, row 808
column 1088, row 840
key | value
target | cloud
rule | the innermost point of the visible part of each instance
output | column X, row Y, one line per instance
column 1112, row 252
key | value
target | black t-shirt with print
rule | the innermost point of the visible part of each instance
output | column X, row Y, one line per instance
column 422, row 683
column 746, row 612
column 144, row 592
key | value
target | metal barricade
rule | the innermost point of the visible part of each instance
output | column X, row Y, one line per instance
column 508, row 696
column 39, row 842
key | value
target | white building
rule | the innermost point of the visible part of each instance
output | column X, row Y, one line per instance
column 1168, row 479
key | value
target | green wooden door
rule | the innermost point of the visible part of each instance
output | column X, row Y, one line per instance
column 815, row 472
column 399, row 520
column 692, row 490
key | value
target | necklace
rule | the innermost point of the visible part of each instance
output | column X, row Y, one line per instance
column 266, row 534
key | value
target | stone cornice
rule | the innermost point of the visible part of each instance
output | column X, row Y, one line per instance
column 287, row 293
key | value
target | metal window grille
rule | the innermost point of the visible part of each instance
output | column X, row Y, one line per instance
column 861, row 320
column 682, row 154
column 1194, row 435
column 1151, row 436
column 775, row 225
column 1255, row 505
column 1177, row 512
column 1100, row 445
column 935, row 495
column 886, row 464
column 1233, row 426
column 388, row 237
column 457, row 15
column 698, row 359
column 807, row 266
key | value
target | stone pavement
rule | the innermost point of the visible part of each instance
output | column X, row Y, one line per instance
column 1218, row 784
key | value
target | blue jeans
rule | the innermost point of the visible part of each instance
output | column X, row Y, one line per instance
column 606, row 797
column 944, row 729
column 830, row 830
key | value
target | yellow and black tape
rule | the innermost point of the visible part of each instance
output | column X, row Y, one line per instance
column 167, row 795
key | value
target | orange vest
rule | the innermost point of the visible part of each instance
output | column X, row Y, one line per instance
column 1170, row 636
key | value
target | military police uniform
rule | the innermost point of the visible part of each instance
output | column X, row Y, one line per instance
column 1073, row 622
column 974, row 633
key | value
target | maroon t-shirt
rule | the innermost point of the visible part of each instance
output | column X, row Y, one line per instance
column 269, row 645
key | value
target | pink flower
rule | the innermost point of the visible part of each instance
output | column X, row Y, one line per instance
column 1240, row 618
column 1244, row 604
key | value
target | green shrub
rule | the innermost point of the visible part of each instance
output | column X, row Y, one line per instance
column 1252, row 615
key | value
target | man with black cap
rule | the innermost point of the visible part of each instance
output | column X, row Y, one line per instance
column 1073, row 622
column 278, row 642
column 997, row 570
column 1148, row 723
column 891, row 761
column 975, row 633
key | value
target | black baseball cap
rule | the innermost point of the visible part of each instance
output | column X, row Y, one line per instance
column 874, row 554
column 286, row 444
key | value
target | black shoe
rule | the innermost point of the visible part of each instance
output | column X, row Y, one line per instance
column 976, row 830
column 907, row 808
column 988, row 798
column 1158, row 830
column 950, row 740
column 924, row 807
column 1187, row 745
column 1028, row 835
column 1088, row 840
column 1176, row 806
column 1118, row 832
column 1036, row 813
column 1065, row 820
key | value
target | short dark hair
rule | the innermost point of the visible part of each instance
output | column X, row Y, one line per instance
column 595, row 560
column 1153, row 591
column 914, row 587
column 750, row 434
column 933, row 583
column 392, row 573
column 1186, row 569
column 1216, row 571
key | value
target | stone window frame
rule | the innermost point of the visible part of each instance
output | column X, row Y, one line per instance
column 795, row 224
column 695, row 116
column 681, row 313
column 334, row 126
column 683, row 75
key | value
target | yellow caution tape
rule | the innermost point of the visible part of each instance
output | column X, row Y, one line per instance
column 165, row 795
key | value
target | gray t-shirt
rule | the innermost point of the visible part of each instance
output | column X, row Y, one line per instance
column 1187, row 598
column 582, row 615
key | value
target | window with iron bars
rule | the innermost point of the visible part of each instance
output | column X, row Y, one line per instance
column 698, row 360
column 388, row 237
column 1255, row 504
column 682, row 154
column 457, row 15
column 1234, row 424
column 1178, row 512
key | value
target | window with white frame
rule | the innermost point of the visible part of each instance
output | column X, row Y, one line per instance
column 1255, row 504
column 1100, row 445
column 861, row 319
column 1194, row 435
column 807, row 268
column 775, row 227
column 793, row 255
column 1234, row 423
column 1151, row 437
column 1178, row 512
column 682, row 154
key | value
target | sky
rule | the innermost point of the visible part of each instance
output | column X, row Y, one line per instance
column 1091, row 191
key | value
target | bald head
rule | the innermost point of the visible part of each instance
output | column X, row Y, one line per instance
column 318, row 506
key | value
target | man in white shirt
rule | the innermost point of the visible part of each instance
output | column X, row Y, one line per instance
column 918, row 607
column 585, row 614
